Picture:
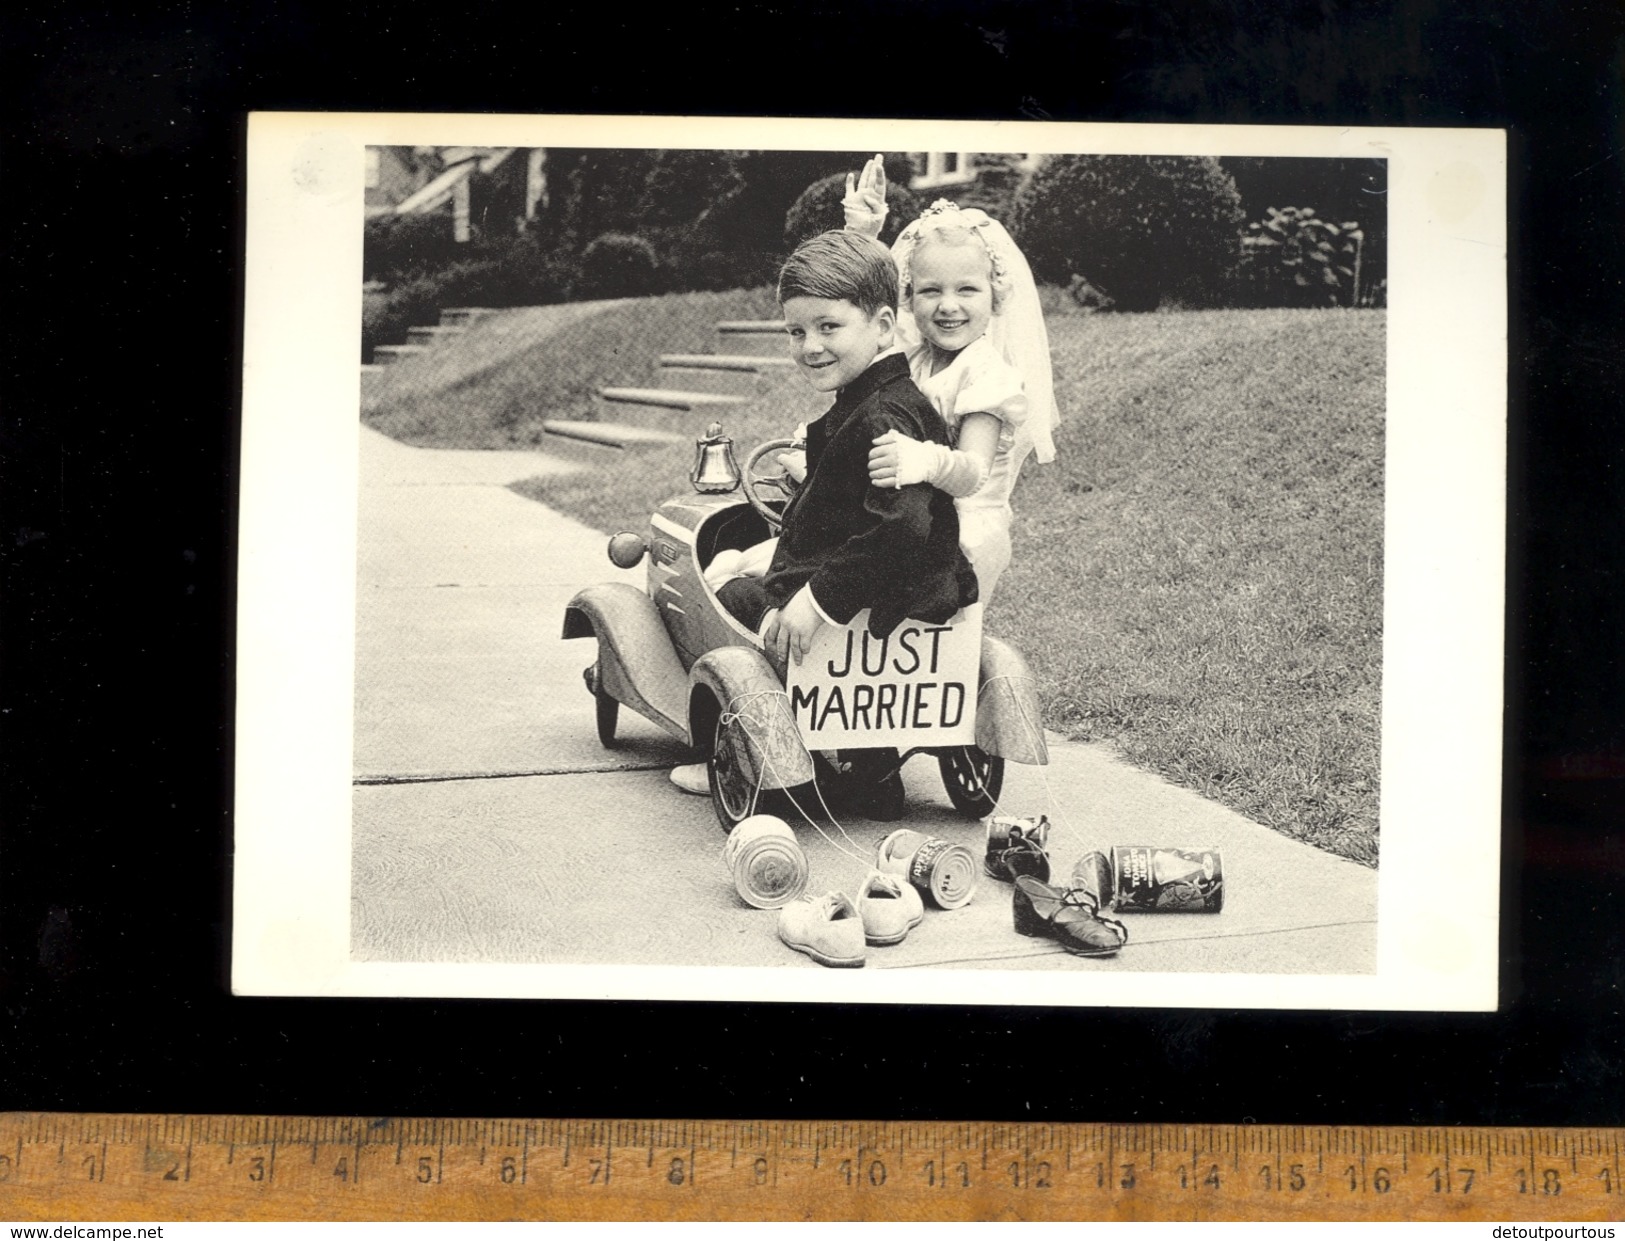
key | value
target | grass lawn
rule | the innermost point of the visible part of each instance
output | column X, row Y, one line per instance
column 1197, row 579
column 510, row 371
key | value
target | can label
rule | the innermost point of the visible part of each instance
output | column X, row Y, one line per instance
column 944, row 873
column 1153, row 879
column 893, row 854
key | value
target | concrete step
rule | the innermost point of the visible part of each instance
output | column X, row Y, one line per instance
column 462, row 316
column 725, row 361
column 740, row 373
column 610, row 434
column 432, row 335
column 388, row 355
column 755, row 336
column 747, row 384
column 669, row 398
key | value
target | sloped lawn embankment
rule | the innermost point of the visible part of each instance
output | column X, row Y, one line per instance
column 1197, row 579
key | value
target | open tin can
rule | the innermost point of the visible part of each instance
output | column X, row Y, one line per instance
column 765, row 861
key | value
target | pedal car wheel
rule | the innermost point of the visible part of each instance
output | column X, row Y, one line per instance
column 972, row 778
column 732, row 795
column 608, row 710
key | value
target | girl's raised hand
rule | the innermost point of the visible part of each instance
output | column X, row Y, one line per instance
column 872, row 184
column 865, row 201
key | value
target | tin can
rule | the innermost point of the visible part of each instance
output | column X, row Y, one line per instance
column 1157, row 879
column 1093, row 874
column 944, row 873
column 765, row 860
column 1016, row 846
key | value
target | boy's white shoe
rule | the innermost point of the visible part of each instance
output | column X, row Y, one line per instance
column 827, row 928
column 692, row 778
column 724, row 567
column 889, row 907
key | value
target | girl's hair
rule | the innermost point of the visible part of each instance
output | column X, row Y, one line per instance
column 841, row 266
column 953, row 233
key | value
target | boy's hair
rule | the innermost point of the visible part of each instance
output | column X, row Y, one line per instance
column 841, row 266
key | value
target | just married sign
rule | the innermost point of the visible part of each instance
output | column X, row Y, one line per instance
column 914, row 687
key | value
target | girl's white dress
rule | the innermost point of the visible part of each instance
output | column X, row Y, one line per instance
column 980, row 381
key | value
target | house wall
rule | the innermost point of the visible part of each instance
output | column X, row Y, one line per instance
column 395, row 175
column 985, row 179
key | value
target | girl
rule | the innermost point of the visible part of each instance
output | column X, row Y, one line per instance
column 977, row 347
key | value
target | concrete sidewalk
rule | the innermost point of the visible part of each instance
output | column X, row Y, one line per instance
column 490, row 825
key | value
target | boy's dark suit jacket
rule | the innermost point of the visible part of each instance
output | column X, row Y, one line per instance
column 893, row 550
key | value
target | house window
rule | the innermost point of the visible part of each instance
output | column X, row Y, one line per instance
column 372, row 168
column 945, row 168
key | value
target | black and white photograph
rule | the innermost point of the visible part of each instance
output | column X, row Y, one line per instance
column 793, row 560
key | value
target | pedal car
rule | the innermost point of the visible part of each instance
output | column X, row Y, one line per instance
column 674, row 654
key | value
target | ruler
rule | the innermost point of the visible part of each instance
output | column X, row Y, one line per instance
column 57, row 1166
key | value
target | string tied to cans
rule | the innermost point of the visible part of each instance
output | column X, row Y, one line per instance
column 758, row 730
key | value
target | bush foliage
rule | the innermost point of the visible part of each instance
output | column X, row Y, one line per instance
column 506, row 271
column 1123, row 232
column 1139, row 228
column 819, row 209
column 618, row 265
column 1292, row 257
column 395, row 247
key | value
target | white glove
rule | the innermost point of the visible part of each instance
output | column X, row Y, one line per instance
column 794, row 458
column 757, row 560
column 865, row 201
column 898, row 461
column 794, row 461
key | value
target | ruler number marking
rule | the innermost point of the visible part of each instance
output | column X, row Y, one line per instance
column 957, row 1175
column 1210, row 1180
column 864, row 1157
column 856, row 1172
column 1274, row 1180
column 1027, row 1174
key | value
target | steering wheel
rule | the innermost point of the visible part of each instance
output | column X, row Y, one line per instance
column 781, row 482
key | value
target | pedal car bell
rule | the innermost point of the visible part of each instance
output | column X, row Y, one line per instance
column 715, row 469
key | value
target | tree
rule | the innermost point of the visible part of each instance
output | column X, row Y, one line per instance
column 1137, row 227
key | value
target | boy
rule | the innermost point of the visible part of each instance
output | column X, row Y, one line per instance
column 846, row 545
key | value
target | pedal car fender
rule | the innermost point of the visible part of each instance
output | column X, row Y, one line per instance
column 736, row 684
column 1009, row 722
column 636, row 661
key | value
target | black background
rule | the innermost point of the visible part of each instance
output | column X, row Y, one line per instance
column 123, row 168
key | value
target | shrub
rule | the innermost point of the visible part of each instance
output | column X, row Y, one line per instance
column 395, row 247
column 1339, row 189
column 522, row 271
column 1137, row 227
column 818, row 209
column 1294, row 258
column 618, row 265
column 510, row 272
column 418, row 301
column 698, row 267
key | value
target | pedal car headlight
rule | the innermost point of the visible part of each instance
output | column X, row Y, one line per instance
column 626, row 550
